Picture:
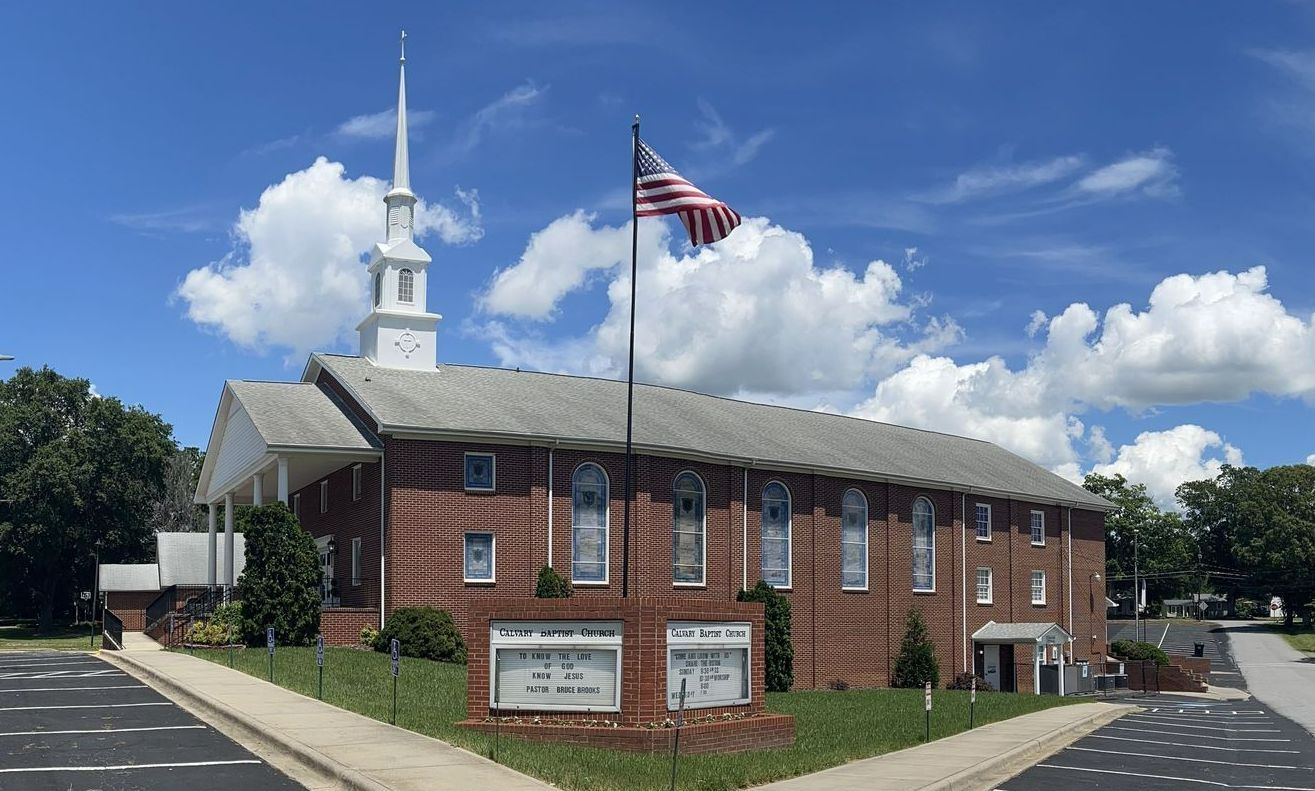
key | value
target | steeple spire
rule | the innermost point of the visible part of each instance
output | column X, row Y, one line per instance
column 401, row 158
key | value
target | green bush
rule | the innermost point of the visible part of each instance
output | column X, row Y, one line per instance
column 779, row 651
column 369, row 636
column 280, row 586
column 552, row 585
column 916, row 663
column 223, row 626
column 1135, row 650
column 964, row 681
column 424, row 633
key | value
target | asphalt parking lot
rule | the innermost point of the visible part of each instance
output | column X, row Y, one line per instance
column 73, row 722
column 1178, row 637
column 1177, row 743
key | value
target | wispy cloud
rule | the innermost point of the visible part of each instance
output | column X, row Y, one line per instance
column 984, row 181
column 1151, row 173
column 1298, row 64
column 381, row 125
column 509, row 111
column 189, row 219
column 718, row 137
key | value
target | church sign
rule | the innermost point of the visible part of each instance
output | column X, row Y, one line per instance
column 555, row 665
column 713, row 658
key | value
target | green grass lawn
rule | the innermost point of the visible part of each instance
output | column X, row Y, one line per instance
column 832, row 727
column 75, row 638
column 1299, row 637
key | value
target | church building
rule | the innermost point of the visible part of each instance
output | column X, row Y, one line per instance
column 426, row 482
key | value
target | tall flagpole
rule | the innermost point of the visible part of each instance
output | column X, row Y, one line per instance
column 630, row 369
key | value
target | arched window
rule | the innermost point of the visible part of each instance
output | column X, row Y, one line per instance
column 687, row 530
column 924, row 545
column 406, row 285
column 378, row 288
column 854, row 541
column 589, row 524
column 774, row 521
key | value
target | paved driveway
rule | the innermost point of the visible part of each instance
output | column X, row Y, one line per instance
column 70, row 721
column 1180, row 743
column 1276, row 673
column 1180, row 636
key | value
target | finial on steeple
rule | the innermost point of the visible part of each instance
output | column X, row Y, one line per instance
column 403, row 46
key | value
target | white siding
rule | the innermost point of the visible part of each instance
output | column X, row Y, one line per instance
column 239, row 447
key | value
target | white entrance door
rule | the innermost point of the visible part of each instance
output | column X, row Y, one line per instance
column 991, row 665
column 326, row 571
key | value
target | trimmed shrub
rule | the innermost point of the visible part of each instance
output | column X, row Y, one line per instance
column 964, row 681
column 916, row 663
column 280, row 586
column 224, row 624
column 424, row 633
column 552, row 585
column 1136, row 651
column 369, row 636
column 779, row 651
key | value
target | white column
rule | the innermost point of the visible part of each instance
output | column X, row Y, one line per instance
column 283, row 481
column 1036, row 668
column 258, row 489
column 211, row 554
column 1061, row 673
column 228, row 539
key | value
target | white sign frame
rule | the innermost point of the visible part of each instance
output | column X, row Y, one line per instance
column 578, row 639
column 678, row 641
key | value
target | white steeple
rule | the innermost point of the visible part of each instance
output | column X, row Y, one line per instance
column 399, row 333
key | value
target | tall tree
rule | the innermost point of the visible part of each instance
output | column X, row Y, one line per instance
column 79, row 473
column 173, row 511
column 1163, row 542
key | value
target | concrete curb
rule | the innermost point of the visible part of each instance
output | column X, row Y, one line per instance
column 303, row 764
column 988, row 774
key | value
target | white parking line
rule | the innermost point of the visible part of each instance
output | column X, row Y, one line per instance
column 90, row 706
column 132, row 766
column 1179, row 779
column 1250, row 718
column 1194, row 735
column 50, row 664
column 75, row 689
column 1176, row 724
column 106, row 730
column 1196, row 746
column 1166, row 634
column 1176, row 758
column 63, row 674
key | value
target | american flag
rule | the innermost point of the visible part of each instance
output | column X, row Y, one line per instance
column 661, row 190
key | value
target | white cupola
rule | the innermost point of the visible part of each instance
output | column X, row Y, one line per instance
column 399, row 332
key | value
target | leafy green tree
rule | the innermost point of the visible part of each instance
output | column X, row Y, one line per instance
column 915, row 664
column 1164, row 542
column 778, row 652
column 78, row 473
column 280, row 585
column 552, row 585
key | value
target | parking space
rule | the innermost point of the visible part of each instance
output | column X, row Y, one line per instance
column 71, row 721
column 1176, row 743
column 1179, row 638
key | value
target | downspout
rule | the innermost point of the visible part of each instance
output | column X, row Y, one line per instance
column 549, row 507
column 383, row 534
column 963, row 571
column 1072, row 628
column 744, row 533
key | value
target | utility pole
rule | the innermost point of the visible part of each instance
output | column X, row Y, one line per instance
column 1136, row 591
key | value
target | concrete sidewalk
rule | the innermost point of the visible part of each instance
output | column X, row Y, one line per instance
column 318, row 745
column 971, row 761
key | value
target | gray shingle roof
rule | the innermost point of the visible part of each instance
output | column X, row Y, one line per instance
column 129, row 577
column 294, row 414
column 182, row 557
column 994, row 632
column 495, row 402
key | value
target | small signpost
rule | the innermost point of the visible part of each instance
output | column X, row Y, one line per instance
column 395, row 649
column 680, row 722
column 269, row 644
column 926, row 704
column 972, row 702
column 319, row 662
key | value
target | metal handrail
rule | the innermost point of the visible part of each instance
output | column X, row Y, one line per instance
column 111, row 631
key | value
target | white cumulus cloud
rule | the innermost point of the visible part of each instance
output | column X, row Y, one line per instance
column 295, row 277
column 1164, row 459
column 752, row 314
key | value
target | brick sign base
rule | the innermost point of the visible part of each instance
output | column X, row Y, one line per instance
column 643, row 724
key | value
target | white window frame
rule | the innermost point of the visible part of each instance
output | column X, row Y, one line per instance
column 789, row 535
column 990, row 585
column 866, row 541
column 406, row 279
column 493, row 559
column 356, row 562
column 607, row 528
column 977, row 527
column 296, row 505
column 914, row 519
column 1032, row 528
column 703, row 529
column 1035, row 600
column 493, row 472
column 324, row 496
column 356, row 482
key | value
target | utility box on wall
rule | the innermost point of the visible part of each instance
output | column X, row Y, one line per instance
column 607, row 673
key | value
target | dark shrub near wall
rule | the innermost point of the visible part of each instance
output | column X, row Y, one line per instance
column 552, row 585
column 779, row 651
column 280, row 586
column 916, row 663
column 424, row 633
column 1132, row 649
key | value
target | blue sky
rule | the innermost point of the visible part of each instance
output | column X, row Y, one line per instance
column 1033, row 157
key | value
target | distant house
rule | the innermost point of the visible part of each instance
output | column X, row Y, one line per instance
column 1217, row 605
column 180, row 559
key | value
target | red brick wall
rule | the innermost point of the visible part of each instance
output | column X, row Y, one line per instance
column 846, row 635
column 342, row 625
column 348, row 518
column 130, row 606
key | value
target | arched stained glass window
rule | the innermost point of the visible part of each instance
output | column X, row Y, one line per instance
column 687, row 529
column 854, row 541
column 589, row 524
column 774, row 521
column 924, row 546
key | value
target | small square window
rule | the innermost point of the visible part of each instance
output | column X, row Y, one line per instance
column 356, row 482
column 296, row 505
column 1038, row 528
column 480, row 472
column 479, row 557
column 324, row 497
